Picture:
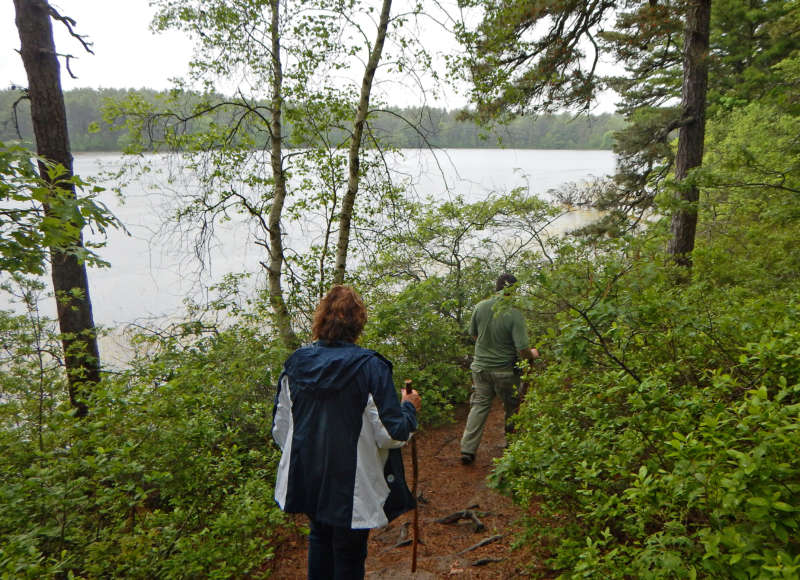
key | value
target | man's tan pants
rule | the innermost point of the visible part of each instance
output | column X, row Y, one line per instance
column 505, row 383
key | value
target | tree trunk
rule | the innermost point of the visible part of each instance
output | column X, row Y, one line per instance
column 281, row 313
column 349, row 199
column 49, row 117
column 692, row 135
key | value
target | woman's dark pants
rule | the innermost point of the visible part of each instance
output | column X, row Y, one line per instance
column 336, row 553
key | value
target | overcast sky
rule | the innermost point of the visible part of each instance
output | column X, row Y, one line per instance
column 127, row 54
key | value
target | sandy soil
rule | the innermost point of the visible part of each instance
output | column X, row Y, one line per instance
column 445, row 487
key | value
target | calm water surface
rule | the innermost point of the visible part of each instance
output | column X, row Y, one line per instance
column 150, row 274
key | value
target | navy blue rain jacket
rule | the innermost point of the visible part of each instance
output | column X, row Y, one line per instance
column 339, row 424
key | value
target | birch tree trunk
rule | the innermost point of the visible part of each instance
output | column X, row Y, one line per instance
column 348, row 202
column 70, row 283
column 283, row 320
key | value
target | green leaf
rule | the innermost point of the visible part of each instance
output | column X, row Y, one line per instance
column 783, row 506
column 758, row 501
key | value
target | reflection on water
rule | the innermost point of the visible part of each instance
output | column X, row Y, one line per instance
column 151, row 274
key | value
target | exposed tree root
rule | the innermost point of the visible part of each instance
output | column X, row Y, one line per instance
column 483, row 542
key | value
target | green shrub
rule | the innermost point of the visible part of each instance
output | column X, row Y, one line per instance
column 661, row 439
column 170, row 476
column 424, row 344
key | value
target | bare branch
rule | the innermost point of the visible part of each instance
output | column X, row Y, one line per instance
column 67, row 58
column 24, row 97
column 69, row 23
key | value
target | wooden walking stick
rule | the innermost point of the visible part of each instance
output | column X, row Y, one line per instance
column 415, row 540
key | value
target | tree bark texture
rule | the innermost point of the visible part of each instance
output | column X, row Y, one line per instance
column 692, row 135
column 281, row 314
column 48, row 113
column 348, row 202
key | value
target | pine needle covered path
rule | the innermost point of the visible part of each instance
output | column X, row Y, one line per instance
column 466, row 529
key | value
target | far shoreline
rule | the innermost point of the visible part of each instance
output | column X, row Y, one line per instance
column 117, row 152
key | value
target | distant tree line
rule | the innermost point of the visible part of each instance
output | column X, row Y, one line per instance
column 405, row 128
column 440, row 128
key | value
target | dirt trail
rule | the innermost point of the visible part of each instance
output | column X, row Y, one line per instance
column 446, row 487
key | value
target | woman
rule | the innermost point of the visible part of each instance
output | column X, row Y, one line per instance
column 339, row 425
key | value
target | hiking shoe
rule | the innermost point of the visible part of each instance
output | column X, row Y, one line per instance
column 467, row 458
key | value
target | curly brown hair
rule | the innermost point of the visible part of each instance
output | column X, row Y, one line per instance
column 340, row 315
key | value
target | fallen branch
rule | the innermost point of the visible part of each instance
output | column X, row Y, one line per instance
column 482, row 543
column 403, row 538
column 454, row 517
column 484, row 561
column 459, row 515
column 467, row 514
column 477, row 525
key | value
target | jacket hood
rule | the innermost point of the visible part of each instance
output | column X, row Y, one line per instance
column 326, row 366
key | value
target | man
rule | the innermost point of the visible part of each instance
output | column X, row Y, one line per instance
column 500, row 338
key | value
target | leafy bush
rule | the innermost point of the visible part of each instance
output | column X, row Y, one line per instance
column 170, row 476
column 661, row 438
column 425, row 345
